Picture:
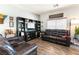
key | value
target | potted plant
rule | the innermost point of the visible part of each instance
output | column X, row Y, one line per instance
column 77, row 33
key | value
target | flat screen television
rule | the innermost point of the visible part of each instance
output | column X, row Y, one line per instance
column 31, row 25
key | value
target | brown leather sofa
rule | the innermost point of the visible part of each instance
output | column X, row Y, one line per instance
column 16, row 46
column 57, row 36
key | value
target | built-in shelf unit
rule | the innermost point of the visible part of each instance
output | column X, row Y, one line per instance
column 28, row 28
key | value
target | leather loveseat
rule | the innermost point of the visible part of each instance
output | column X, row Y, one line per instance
column 16, row 46
column 57, row 36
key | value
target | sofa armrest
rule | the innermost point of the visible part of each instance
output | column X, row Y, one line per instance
column 26, row 49
column 30, row 51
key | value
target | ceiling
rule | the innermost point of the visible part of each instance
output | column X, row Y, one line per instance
column 40, row 8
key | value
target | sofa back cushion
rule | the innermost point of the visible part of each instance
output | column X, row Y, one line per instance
column 47, row 32
column 64, row 32
column 57, row 32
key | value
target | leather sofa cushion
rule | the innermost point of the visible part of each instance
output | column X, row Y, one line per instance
column 57, row 32
column 56, row 37
column 50, row 32
column 63, row 32
column 45, row 36
column 61, row 38
column 47, row 32
column 25, row 48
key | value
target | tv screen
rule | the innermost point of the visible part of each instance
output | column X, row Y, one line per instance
column 31, row 25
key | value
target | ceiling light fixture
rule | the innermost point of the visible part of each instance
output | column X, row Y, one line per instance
column 56, row 5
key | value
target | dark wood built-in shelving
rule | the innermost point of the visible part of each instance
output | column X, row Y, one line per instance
column 29, row 33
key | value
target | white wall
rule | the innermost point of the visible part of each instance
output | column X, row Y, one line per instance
column 14, row 11
column 69, row 12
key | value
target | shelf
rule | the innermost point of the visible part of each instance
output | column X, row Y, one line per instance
column 22, row 27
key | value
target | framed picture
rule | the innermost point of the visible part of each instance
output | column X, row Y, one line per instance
column 11, row 21
column 2, row 17
column 1, row 20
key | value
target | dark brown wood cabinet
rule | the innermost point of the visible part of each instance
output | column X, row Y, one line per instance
column 23, row 29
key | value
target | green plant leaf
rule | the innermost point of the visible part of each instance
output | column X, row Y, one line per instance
column 77, row 31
